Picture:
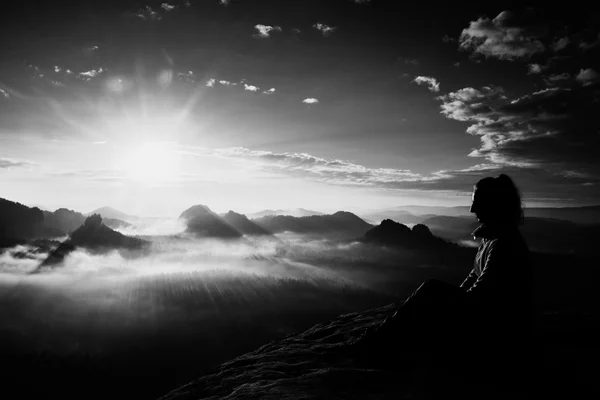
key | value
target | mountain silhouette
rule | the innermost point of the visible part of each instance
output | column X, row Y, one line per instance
column 243, row 225
column 64, row 221
column 18, row 222
column 341, row 221
column 203, row 222
column 391, row 233
column 93, row 235
column 542, row 234
column 109, row 212
column 296, row 212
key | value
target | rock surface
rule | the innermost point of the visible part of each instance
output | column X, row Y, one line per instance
column 304, row 366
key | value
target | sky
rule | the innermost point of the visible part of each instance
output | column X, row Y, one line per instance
column 151, row 107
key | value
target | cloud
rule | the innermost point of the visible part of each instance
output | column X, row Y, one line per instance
column 561, row 44
column 102, row 175
column 187, row 76
column 310, row 100
column 88, row 75
column 585, row 45
column 326, row 30
column 224, row 2
column 432, row 83
column 456, row 64
column 4, row 93
column 553, row 79
column 554, row 128
column 147, row 13
column 250, row 88
column 264, row 31
column 408, row 61
column 167, row 7
column 269, row 92
column 448, row 39
column 509, row 36
column 211, row 82
column 227, row 83
column 587, row 77
column 8, row 163
column 534, row 69
column 332, row 171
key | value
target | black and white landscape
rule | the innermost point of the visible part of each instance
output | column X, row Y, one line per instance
column 214, row 198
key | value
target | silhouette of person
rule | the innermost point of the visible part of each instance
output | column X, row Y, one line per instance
column 487, row 319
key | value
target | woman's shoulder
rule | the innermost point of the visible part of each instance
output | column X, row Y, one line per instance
column 511, row 243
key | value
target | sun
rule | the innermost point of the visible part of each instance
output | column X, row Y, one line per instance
column 153, row 162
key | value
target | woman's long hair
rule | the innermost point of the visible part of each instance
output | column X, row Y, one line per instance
column 502, row 199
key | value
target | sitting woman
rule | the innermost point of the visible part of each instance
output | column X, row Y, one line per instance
column 488, row 318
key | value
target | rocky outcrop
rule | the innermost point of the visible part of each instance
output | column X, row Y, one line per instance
column 308, row 365
column 394, row 234
column 95, row 236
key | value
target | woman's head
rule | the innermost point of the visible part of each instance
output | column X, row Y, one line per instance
column 497, row 201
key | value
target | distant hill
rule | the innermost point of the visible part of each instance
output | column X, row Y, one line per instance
column 63, row 221
column 549, row 235
column 412, row 214
column 243, row 225
column 296, row 212
column 93, row 235
column 580, row 215
column 341, row 221
column 18, row 222
column 109, row 212
column 203, row 222
column 391, row 233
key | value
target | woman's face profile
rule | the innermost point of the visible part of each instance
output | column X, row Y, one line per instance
column 477, row 206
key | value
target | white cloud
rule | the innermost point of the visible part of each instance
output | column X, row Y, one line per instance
column 557, row 77
column 332, row 171
column 147, row 14
column 504, row 37
column 270, row 91
column 590, row 45
column 211, row 82
column 534, row 69
column 7, row 163
column 4, row 93
column 326, row 30
column 224, row 2
column 167, row 7
column 310, row 100
column 264, row 31
column 409, row 61
column 187, row 76
column 227, row 83
column 432, row 83
column 88, row 75
column 57, row 69
column 250, row 88
column 561, row 44
column 587, row 77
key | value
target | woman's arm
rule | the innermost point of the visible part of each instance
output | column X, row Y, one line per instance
column 469, row 281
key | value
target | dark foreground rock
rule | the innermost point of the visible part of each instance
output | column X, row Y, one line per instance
column 305, row 366
column 318, row 364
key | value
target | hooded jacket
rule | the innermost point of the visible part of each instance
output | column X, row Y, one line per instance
column 501, row 282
